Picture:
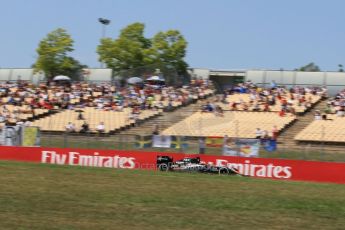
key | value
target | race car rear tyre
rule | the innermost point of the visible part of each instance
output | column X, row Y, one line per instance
column 223, row 171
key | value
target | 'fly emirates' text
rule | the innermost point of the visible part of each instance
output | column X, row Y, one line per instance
column 75, row 158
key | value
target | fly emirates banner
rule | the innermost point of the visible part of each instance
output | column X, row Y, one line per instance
column 255, row 167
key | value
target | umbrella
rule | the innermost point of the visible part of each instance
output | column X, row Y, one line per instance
column 79, row 111
column 61, row 78
column 155, row 78
column 134, row 80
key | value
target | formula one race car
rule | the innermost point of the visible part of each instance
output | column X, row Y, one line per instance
column 188, row 164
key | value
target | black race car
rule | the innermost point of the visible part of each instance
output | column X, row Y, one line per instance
column 190, row 164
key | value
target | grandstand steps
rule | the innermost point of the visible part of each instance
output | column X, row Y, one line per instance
column 287, row 136
column 165, row 120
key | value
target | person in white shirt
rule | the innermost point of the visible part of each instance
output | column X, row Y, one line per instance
column 317, row 115
column 258, row 133
column 27, row 123
column 70, row 127
column 100, row 127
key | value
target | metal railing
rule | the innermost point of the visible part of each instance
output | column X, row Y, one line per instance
column 306, row 151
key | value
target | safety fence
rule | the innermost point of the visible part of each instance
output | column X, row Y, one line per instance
column 320, row 149
column 196, row 145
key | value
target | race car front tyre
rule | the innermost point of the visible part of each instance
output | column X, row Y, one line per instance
column 163, row 167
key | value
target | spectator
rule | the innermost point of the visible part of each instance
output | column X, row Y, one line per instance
column 27, row 123
column 209, row 107
column 155, row 130
column 202, row 145
column 328, row 109
column 282, row 113
column 84, row 127
column 70, row 127
column 258, row 133
column 256, row 107
column 264, row 136
column 100, row 128
column 273, row 84
column 275, row 132
column 317, row 115
column 80, row 116
column 341, row 112
column 263, row 133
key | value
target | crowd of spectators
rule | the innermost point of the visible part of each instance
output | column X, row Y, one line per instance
column 212, row 107
column 263, row 99
column 335, row 105
column 25, row 97
column 265, row 135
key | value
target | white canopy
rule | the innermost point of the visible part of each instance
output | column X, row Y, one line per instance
column 134, row 80
column 61, row 78
column 155, row 78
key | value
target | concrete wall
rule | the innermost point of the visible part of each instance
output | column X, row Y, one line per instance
column 16, row 74
column 200, row 73
column 98, row 75
column 335, row 81
column 29, row 75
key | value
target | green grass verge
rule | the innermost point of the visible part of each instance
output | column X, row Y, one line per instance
column 36, row 196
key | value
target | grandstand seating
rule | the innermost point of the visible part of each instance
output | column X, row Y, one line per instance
column 245, row 98
column 330, row 130
column 232, row 123
column 21, row 113
column 112, row 120
column 329, row 127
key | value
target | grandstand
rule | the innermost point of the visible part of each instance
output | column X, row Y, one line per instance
column 328, row 126
column 113, row 120
column 132, row 111
column 52, row 106
column 251, row 108
column 190, row 121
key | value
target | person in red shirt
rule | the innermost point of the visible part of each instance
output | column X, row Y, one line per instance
column 282, row 113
